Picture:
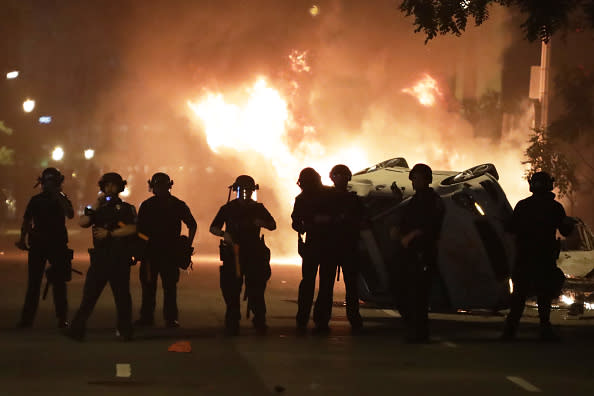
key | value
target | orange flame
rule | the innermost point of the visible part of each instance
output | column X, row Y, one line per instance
column 257, row 122
column 260, row 123
column 299, row 61
column 425, row 90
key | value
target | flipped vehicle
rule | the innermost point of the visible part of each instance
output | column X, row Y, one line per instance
column 475, row 255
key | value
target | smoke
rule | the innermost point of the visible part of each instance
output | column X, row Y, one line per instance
column 361, row 56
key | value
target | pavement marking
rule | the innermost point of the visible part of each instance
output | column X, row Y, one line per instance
column 522, row 383
column 123, row 370
column 447, row 343
column 391, row 312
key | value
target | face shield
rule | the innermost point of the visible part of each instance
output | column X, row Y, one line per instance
column 245, row 193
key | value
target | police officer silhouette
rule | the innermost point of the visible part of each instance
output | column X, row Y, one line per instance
column 418, row 233
column 114, row 227
column 311, row 219
column 535, row 222
column 243, row 253
column 44, row 227
column 159, row 220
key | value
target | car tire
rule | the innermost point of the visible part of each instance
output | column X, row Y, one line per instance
column 471, row 173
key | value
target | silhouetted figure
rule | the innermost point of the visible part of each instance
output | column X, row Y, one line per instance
column 346, row 212
column 159, row 221
column 535, row 222
column 114, row 229
column 45, row 226
column 310, row 218
column 418, row 234
column 243, row 253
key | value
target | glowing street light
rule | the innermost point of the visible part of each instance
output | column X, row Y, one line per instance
column 89, row 153
column 12, row 75
column 58, row 153
column 28, row 105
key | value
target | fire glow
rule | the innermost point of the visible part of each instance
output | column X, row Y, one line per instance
column 259, row 124
column 425, row 90
column 254, row 126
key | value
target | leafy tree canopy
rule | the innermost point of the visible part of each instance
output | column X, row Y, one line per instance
column 5, row 128
column 544, row 154
column 575, row 88
column 543, row 17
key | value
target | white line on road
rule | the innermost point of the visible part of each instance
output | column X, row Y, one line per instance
column 447, row 343
column 522, row 383
column 391, row 312
column 123, row 370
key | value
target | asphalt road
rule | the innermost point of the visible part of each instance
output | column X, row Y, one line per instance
column 465, row 356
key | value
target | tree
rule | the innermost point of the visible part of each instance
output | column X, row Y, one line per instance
column 6, row 154
column 545, row 154
column 543, row 17
column 484, row 114
column 575, row 89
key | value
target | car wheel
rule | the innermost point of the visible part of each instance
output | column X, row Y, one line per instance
column 471, row 173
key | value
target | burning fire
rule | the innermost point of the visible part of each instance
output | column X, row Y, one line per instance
column 425, row 90
column 299, row 61
column 258, row 124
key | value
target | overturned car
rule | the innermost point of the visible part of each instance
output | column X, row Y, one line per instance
column 475, row 255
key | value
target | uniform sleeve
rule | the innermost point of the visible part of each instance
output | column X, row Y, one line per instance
column 29, row 210
column 565, row 227
column 265, row 215
column 220, row 218
column 296, row 216
column 142, row 219
column 439, row 215
column 186, row 215
column 129, row 215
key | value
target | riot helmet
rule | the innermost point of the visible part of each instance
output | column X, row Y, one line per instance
column 244, row 186
column 423, row 170
column 50, row 178
column 541, row 182
column 112, row 177
column 160, row 179
column 340, row 169
column 309, row 179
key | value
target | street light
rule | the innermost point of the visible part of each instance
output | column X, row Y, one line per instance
column 58, row 153
column 89, row 153
column 28, row 105
column 12, row 75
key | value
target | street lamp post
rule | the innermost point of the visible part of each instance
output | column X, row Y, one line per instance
column 28, row 105
column 545, row 64
column 58, row 153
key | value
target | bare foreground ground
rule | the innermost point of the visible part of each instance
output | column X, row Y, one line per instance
column 464, row 358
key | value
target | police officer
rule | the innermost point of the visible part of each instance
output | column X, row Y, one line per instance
column 342, row 251
column 418, row 233
column 114, row 227
column 159, row 220
column 311, row 217
column 243, row 253
column 44, row 224
column 534, row 222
